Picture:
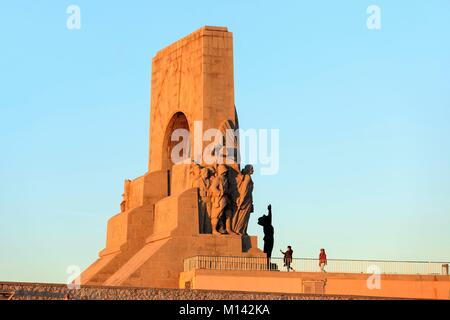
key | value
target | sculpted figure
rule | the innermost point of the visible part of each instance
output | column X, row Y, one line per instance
column 266, row 223
column 200, row 178
column 244, row 205
column 204, row 200
column 124, row 203
column 221, row 204
column 194, row 174
column 229, row 141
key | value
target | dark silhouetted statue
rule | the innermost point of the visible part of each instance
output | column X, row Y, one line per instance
column 266, row 222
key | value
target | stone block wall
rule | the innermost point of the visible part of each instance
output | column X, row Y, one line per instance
column 48, row 291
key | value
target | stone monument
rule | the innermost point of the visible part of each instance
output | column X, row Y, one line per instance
column 188, row 208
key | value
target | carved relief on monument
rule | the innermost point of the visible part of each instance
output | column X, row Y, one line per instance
column 125, row 203
column 227, row 142
column 222, row 204
column 225, row 198
column 201, row 178
column 133, row 194
column 244, row 204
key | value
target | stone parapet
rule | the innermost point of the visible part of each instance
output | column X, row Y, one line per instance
column 48, row 291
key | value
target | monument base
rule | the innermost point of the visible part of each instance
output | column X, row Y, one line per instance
column 158, row 260
column 338, row 284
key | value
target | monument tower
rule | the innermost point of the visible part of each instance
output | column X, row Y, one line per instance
column 178, row 209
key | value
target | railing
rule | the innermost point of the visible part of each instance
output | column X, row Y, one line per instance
column 312, row 265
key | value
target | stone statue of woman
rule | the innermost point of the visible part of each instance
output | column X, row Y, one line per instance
column 244, row 205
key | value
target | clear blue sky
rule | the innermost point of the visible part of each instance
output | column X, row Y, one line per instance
column 364, row 119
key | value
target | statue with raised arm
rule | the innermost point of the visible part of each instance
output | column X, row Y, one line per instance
column 266, row 222
column 244, row 205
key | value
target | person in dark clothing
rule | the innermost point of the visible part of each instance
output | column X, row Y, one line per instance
column 266, row 222
column 288, row 258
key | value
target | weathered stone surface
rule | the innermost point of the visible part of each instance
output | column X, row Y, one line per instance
column 190, row 82
column 43, row 291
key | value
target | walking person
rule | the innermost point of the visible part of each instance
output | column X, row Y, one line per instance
column 288, row 258
column 322, row 260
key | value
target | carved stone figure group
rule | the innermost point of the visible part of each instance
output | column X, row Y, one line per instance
column 225, row 198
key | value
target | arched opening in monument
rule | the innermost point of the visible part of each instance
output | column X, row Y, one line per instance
column 177, row 145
